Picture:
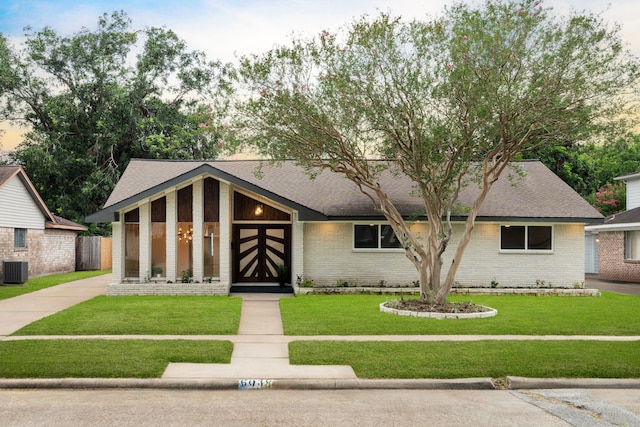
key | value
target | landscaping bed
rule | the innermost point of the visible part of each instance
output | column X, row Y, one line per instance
column 373, row 290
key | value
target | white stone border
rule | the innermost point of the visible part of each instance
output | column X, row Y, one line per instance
column 479, row 315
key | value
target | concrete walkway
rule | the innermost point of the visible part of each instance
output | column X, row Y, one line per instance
column 260, row 350
column 18, row 312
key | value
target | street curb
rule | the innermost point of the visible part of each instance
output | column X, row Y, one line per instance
column 514, row 383
column 519, row 383
column 246, row 384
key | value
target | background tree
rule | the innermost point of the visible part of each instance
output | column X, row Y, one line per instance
column 96, row 99
column 448, row 102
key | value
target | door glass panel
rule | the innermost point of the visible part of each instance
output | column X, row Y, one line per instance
column 185, row 249
column 132, row 250
column 211, row 252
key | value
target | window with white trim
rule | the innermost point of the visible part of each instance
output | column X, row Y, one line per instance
column 19, row 238
column 374, row 236
column 534, row 238
column 632, row 245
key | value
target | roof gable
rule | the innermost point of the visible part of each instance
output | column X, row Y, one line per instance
column 7, row 173
column 539, row 194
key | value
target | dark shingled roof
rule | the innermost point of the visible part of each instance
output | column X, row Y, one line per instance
column 627, row 217
column 540, row 194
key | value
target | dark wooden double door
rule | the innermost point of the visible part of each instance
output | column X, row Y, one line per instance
column 258, row 250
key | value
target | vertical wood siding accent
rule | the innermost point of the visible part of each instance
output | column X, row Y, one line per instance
column 211, row 200
column 185, row 204
column 17, row 207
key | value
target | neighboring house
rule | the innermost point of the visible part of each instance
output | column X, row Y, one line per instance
column 226, row 223
column 29, row 231
column 617, row 241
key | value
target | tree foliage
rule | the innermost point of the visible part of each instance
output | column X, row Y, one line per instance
column 96, row 99
column 448, row 102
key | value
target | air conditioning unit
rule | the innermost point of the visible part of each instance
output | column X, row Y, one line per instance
column 15, row 272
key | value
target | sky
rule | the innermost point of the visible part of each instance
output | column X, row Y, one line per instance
column 225, row 29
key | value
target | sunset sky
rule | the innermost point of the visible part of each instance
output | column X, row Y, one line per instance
column 224, row 29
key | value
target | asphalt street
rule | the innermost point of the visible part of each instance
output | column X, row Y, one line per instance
column 131, row 407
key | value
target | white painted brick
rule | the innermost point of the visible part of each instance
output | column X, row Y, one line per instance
column 329, row 257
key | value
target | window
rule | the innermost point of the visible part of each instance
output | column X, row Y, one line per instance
column 19, row 238
column 526, row 238
column 632, row 245
column 374, row 236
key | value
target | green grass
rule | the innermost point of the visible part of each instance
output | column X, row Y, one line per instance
column 143, row 315
column 37, row 283
column 610, row 314
column 494, row 359
column 104, row 358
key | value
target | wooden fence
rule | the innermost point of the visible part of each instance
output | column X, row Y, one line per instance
column 93, row 253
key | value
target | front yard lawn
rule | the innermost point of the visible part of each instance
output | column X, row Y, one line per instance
column 143, row 315
column 104, row 358
column 477, row 359
column 37, row 283
column 610, row 314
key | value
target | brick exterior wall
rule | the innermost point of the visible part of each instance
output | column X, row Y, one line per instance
column 48, row 251
column 611, row 262
column 193, row 289
column 329, row 257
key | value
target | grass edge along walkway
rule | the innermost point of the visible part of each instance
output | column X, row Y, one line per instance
column 477, row 359
column 96, row 358
column 43, row 282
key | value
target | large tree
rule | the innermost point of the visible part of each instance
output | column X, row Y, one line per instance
column 448, row 102
column 93, row 100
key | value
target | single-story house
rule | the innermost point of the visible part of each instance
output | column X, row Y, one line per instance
column 224, row 223
column 29, row 232
column 617, row 240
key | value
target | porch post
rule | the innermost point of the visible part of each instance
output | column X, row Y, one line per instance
column 144, row 268
column 117, row 251
column 172, row 236
column 225, row 234
column 198, row 230
column 297, row 249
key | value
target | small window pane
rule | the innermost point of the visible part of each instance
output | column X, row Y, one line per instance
column 632, row 245
column 365, row 236
column 388, row 238
column 512, row 237
column 539, row 238
column 20, row 238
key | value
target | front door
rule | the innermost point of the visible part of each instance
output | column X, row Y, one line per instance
column 259, row 250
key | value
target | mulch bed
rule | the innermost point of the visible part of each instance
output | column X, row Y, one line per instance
column 450, row 307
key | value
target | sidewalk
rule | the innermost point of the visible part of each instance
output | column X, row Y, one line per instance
column 18, row 312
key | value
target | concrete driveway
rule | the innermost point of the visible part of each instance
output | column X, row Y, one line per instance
column 594, row 281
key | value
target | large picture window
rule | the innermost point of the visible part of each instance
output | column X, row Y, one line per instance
column 632, row 245
column 374, row 236
column 526, row 238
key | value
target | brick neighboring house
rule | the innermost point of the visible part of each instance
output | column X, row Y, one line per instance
column 618, row 238
column 29, row 231
column 223, row 224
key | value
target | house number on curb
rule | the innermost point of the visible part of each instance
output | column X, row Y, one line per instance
column 254, row 384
